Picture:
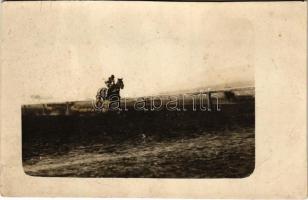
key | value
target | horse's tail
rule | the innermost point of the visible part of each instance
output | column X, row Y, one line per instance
column 102, row 93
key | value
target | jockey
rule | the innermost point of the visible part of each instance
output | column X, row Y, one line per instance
column 110, row 81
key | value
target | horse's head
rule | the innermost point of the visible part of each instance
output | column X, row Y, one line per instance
column 120, row 83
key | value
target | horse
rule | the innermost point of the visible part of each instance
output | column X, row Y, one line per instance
column 111, row 94
column 114, row 91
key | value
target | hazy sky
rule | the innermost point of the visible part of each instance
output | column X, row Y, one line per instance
column 67, row 52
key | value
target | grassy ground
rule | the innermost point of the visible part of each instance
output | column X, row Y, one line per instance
column 229, row 153
column 160, row 144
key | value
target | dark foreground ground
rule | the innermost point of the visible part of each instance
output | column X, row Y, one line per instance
column 161, row 144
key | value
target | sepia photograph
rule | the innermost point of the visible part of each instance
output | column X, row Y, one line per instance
column 153, row 99
column 141, row 99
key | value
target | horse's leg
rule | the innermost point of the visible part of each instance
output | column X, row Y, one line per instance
column 98, row 102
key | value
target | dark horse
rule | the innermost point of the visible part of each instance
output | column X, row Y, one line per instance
column 112, row 94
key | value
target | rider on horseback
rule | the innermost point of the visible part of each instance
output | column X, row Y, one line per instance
column 110, row 81
column 111, row 93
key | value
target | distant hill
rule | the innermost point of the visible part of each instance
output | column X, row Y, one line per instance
column 83, row 107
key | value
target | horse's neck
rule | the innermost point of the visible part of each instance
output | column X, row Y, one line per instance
column 119, row 85
column 116, row 85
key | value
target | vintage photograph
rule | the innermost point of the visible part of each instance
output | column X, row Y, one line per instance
column 134, row 95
